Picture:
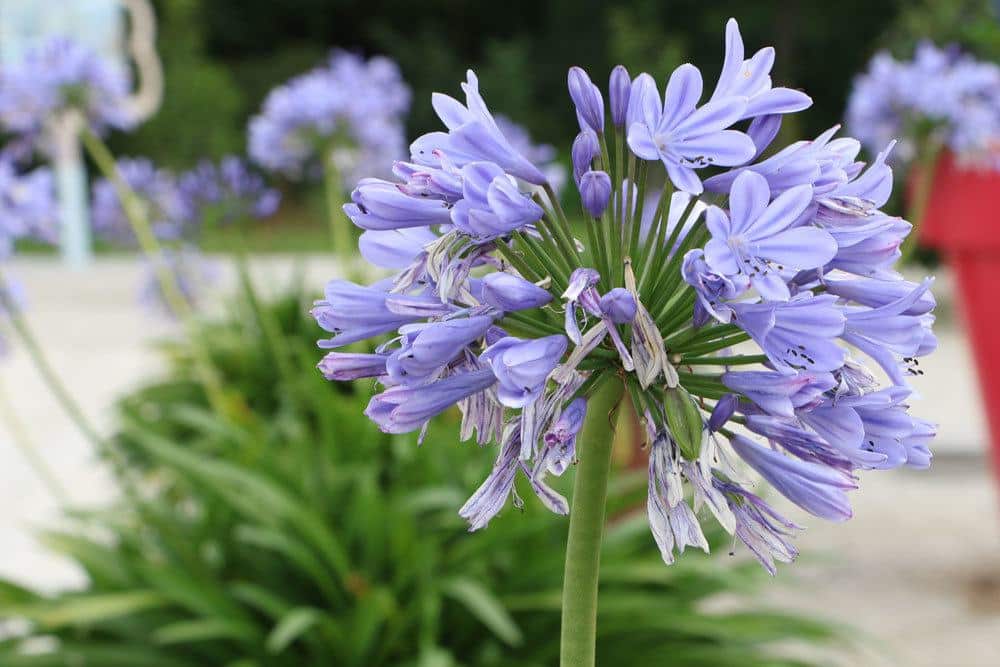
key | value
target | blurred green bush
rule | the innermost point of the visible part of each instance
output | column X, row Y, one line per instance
column 304, row 536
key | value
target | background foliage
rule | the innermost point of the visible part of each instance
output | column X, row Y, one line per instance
column 304, row 536
column 222, row 56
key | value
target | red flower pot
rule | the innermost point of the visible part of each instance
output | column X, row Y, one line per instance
column 962, row 221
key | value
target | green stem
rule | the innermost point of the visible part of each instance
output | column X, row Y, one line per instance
column 267, row 320
column 586, row 528
column 340, row 229
column 172, row 292
column 44, row 368
column 19, row 435
column 921, row 197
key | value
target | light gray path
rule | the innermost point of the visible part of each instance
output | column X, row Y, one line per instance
column 917, row 567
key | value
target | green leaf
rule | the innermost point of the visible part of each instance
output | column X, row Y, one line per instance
column 88, row 609
column 294, row 624
column 200, row 630
column 482, row 604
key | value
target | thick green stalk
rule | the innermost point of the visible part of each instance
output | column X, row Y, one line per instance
column 19, row 436
column 340, row 228
column 172, row 292
column 586, row 528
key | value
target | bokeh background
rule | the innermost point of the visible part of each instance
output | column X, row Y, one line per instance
column 913, row 579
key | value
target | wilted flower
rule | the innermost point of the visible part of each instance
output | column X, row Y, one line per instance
column 347, row 114
column 495, row 307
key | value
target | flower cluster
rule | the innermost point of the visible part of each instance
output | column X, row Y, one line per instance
column 738, row 302
column 58, row 76
column 941, row 96
column 346, row 115
column 227, row 191
column 178, row 208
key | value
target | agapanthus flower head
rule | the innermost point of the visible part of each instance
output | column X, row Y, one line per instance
column 940, row 97
column 157, row 194
column 346, row 114
column 739, row 320
column 61, row 75
column 226, row 191
column 177, row 209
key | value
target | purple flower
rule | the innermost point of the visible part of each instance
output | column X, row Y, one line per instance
column 580, row 291
column 28, row 207
column 595, row 191
column 585, row 149
column 225, row 192
column 587, row 99
column 940, row 97
column 797, row 263
column 761, row 241
column 353, row 312
column 473, row 136
column 560, row 439
column 682, row 136
column 619, row 306
column 61, row 75
column 162, row 202
column 394, row 248
column 765, row 532
column 345, row 366
column 778, row 393
column 492, row 205
column 619, row 88
column 347, row 114
column 712, row 289
column 815, row 488
column 798, row 334
column 887, row 333
column 381, row 205
column 522, row 367
column 507, row 292
column 752, row 79
column 402, row 408
column 427, row 348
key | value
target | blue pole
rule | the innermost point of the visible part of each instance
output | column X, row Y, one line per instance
column 71, row 187
column 74, row 214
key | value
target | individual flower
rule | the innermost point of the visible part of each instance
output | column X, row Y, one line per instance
column 760, row 239
column 346, row 115
column 58, row 76
column 473, row 136
column 739, row 321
